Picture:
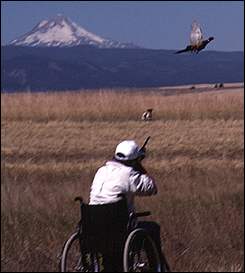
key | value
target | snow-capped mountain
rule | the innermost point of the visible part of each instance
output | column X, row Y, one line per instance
column 62, row 32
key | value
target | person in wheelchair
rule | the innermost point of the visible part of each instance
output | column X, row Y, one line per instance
column 124, row 177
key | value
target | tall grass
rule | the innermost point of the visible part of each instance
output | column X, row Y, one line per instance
column 108, row 105
column 52, row 145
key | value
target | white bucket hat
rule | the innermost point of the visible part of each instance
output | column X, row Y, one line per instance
column 128, row 150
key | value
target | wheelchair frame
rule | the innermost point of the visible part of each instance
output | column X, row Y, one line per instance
column 132, row 233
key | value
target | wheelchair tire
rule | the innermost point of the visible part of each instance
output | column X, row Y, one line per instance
column 140, row 253
column 73, row 262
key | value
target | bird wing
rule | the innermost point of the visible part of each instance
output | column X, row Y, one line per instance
column 188, row 48
column 196, row 36
column 180, row 51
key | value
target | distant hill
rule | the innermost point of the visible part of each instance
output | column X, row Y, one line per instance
column 72, row 68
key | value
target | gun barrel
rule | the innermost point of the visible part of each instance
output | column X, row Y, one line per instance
column 146, row 141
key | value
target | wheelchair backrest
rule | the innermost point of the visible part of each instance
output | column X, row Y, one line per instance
column 104, row 220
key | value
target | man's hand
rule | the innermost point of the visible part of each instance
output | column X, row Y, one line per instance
column 138, row 167
column 143, row 152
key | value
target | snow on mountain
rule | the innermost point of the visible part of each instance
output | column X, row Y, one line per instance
column 61, row 31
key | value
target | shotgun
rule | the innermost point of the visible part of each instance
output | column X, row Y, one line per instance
column 144, row 145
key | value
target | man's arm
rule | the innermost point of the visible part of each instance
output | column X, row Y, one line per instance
column 142, row 184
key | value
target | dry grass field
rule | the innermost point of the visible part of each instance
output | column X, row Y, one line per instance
column 52, row 145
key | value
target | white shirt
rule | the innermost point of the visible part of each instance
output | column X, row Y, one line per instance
column 115, row 178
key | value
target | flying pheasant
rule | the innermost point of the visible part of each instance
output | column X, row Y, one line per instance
column 196, row 40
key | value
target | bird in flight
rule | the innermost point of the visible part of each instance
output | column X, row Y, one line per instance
column 197, row 43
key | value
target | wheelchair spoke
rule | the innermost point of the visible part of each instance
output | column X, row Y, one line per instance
column 140, row 254
column 72, row 260
column 78, row 267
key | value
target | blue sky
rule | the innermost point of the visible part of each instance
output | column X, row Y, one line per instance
column 152, row 24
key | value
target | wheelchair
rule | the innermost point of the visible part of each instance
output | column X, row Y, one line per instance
column 107, row 234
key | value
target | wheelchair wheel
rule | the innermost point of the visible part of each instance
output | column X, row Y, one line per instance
column 72, row 259
column 140, row 253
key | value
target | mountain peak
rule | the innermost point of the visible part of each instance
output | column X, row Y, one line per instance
column 61, row 31
column 60, row 18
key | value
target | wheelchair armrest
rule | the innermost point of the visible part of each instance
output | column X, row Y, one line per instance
column 133, row 218
column 78, row 198
column 142, row 214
